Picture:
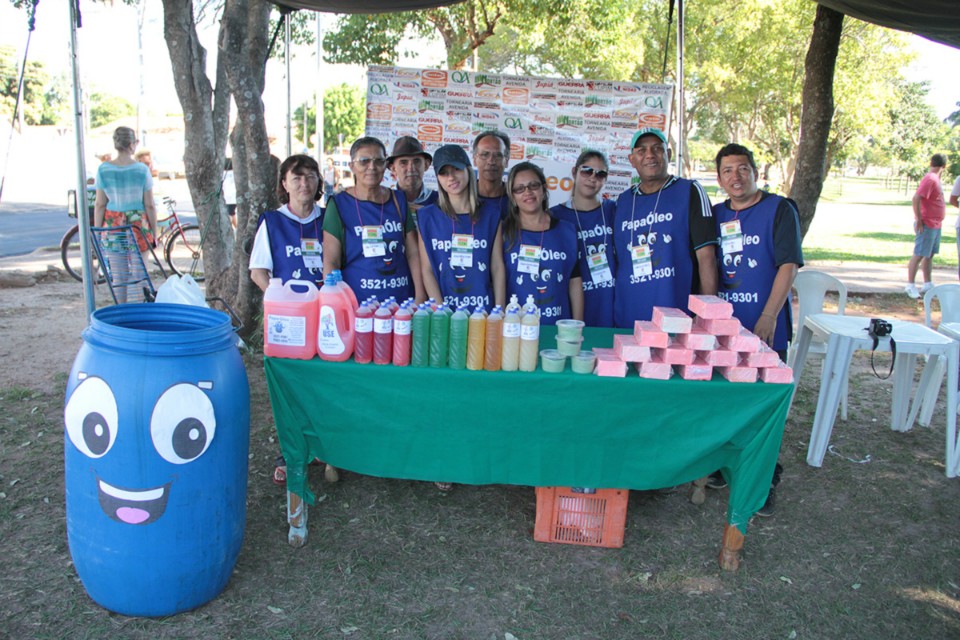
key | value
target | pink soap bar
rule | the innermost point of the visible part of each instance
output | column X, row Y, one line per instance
column 629, row 350
column 603, row 351
column 743, row 342
column 710, row 307
column 781, row 374
column 648, row 335
column 699, row 370
column 610, row 366
column 720, row 357
column 654, row 369
column 675, row 354
column 739, row 374
column 762, row 359
column 672, row 320
column 697, row 339
column 718, row 326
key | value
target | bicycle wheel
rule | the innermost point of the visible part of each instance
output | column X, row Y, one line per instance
column 72, row 260
column 183, row 252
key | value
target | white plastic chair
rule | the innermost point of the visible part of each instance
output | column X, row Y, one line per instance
column 949, row 296
column 812, row 287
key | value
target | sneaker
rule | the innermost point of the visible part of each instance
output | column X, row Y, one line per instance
column 911, row 290
column 926, row 287
column 770, row 505
column 715, row 481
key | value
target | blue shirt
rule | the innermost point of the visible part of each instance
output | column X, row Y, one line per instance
column 286, row 236
column 124, row 186
column 594, row 235
column 550, row 286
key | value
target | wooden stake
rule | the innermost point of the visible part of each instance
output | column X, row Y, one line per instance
column 730, row 551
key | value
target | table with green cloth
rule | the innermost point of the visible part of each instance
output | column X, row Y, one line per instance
column 528, row 428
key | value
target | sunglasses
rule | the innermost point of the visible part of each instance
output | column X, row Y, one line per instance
column 586, row 170
column 364, row 162
column 530, row 186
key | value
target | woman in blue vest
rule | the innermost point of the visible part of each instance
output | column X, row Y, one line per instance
column 460, row 238
column 540, row 251
column 369, row 234
column 593, row 219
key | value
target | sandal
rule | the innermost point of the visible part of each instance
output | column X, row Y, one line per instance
column 280, row 472
column 444, row 486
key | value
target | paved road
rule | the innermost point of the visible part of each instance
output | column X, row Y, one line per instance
column 28, row 226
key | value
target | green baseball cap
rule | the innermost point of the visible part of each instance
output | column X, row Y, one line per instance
column 648, row 131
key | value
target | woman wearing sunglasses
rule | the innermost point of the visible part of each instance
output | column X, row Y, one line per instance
column 369, row 234
column 540, row 251
column 593, row 219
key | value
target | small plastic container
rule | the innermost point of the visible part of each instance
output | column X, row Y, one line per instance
column 571, row 516
column 569, row 347
column 569, row 329
column 583, row 362
column 552, row 361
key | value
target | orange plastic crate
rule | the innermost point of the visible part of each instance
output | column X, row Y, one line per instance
column 592, row 519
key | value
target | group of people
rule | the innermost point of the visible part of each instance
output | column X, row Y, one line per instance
column 478, row 239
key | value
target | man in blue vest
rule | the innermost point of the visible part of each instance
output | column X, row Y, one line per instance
column 759, row 257
column 491, row 155
column 664, row 236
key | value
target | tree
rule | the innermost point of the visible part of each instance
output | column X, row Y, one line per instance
column 105, row 108
column 34, row 80
column 344, row 107
column 913, row 131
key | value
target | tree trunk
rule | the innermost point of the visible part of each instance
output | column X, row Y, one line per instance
column 244, row 46
column 817, row 113
column 206, row 114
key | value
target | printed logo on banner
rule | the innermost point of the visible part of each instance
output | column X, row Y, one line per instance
column 405, row 97
column 379, row 89
column 454, row 93
column 517, row 81
column 433, row 94
column 480, row 105
column 433, row 78
column 405, row 110
column 459, row 128
column 488, row 94
column 545, row 83
column 654, row 102
column 406, row 85
column 626, row 87
column 431, row 105
column 539, row 129
column 569, row 102
column 413, row 74
column 578, row 87
column 513, row 95
column 512, row 123
column 626, row 114
column 569, row 122
column 516, row 150
column 536, row 151
column 486, row 80
column 594, row 100
column 460, row 77
column 600, row 86
column 658, row 120
column 379, row 111
column 427, row 132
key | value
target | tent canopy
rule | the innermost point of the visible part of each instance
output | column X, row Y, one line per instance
column 367, row 6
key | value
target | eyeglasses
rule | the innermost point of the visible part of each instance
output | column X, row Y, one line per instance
column 487, row 156
column 530, row 186
column 364, row 162
column 587, row 170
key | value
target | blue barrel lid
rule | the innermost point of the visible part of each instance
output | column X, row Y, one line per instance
column 160, row 329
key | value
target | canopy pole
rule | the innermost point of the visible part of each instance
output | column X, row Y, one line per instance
column 83, row 219
column 680, row 92
column 318, row 112
column 286, row 50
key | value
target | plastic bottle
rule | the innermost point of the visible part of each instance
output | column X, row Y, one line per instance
column 493, row 342
column 383, row 335
column 459, row 328
column 363, row 338
column 439, row 337
column 510, row 353
column 290, row 319
column 433, row 303
column 373, row 303
column 476, row 339
column 529, row 336
column 402, row 326
column 393, row 304
column 335, row 337
column 343, row 285
column 420, row 354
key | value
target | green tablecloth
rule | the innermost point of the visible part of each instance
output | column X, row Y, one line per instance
column 536, row 428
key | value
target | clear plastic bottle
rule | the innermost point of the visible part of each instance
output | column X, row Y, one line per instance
column 476, row 338
column 493, row 341
column 363, row 345
column 459, row 328
column 383, row 335
column 510, row 354
column 529, row 336
column 402, row 325
column 420, row 354
column 439, row 337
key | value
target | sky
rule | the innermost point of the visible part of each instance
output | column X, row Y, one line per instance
column 109, row 60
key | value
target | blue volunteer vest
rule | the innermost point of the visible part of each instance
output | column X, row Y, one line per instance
column 502, row 203
column 595, row 235
column 461, row 285
column 285, row 235
column 550, row 286
column 381, row 276
column 665, row 226
column 746, row 277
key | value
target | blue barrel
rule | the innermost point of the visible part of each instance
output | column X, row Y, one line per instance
column 157, row 421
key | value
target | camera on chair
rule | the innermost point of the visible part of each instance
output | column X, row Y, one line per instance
column 879, row 328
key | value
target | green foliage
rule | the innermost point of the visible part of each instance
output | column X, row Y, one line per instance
column 915, row 132
column 34, row 81
column 105, row 108
column 344, row 107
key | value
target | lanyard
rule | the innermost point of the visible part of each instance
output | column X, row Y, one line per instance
column 633, row 207
column 603, row 225
column 315, row 226
column 356, row 202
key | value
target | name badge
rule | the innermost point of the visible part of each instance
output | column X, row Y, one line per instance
column 311, row 250
column 599, row 267
column 529, row 259
column 373, row 245
column 461, row 250
column 731, row 238
column 641, row 259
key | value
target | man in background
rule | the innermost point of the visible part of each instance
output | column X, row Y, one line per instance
column 408, row 163
column 928, row 213
column 955, row 201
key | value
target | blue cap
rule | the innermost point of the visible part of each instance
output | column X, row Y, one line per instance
column 648, row 131
column 452, row 155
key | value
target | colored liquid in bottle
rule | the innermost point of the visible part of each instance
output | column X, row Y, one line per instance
column 363, row 347
column 493, row 341
column 529, row 336
column 420, row 355
column 439, row 337
column 510, row 354
column 383, row 336
column 476, row 337
column 459, row 328
column 402, row 326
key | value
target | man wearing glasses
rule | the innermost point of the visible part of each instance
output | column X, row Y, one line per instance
column 664, row 236
column 491, row 153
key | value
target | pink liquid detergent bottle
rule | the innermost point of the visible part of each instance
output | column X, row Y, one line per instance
column 363, row 347
column 343, row 285
column 402, row 325
column 290, row 319
column 383, row 335
column 335, row 338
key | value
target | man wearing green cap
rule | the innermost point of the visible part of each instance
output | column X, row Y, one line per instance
column 664, row 235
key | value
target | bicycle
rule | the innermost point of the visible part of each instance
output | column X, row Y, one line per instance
column 180, row 243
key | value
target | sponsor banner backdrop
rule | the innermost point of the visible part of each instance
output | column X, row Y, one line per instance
column 549, row 120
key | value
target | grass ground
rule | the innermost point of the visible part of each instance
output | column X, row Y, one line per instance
column 864, row 547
